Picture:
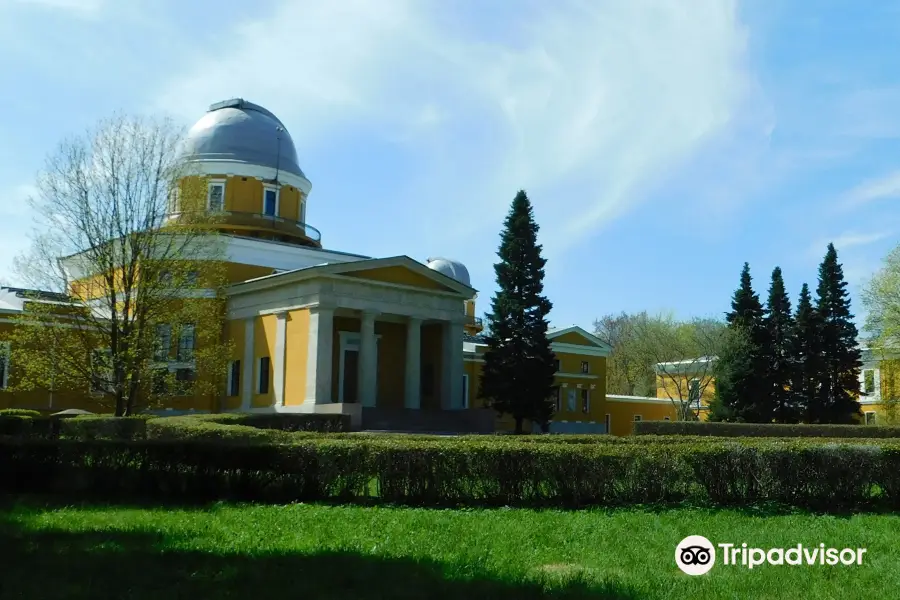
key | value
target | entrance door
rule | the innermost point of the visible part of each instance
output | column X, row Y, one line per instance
column 350, row 387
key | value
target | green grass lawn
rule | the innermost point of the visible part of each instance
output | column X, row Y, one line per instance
column 312, row 551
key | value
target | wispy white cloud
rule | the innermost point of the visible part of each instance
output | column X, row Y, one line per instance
column 84, row 7
column 847, row 240
column 586, row 105
column 884, row 187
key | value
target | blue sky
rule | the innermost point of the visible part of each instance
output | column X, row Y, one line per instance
column 662, row 142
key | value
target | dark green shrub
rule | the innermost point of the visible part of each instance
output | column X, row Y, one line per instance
column 15, row 425
column 322, row 423
column 19, row 412
column 197, row 428
column 104, row 427
column 701, row 428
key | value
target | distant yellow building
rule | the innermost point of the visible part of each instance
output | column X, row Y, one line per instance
column 393, row 342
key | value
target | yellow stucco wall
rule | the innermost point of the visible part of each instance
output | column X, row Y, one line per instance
column 296, row 350
column 572, row 338
column 235, row 332
column 242, row 194
column 667, row 387
column 622, row 414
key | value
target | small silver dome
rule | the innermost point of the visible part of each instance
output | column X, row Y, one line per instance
column 237, row 130
column 450, row 268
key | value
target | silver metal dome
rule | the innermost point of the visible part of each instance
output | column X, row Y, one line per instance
column 240, row 131
column 450, row 268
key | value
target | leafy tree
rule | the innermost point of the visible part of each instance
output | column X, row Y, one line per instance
column 135, row 292
column 807, row 358
column 837, row 398
column 745, row 396
column 882, row 301
column 683, row 355
column 629, row 371
column 779, row 326
column 519, row 366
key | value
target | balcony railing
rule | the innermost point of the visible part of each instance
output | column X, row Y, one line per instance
column 251, row 219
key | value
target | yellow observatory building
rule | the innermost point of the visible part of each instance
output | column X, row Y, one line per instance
column 393, row 342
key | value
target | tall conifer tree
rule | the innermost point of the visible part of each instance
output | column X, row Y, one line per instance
column 519, row 366
column 807, row 359
column 741, row 374
column 779, row 326
column 841, row 360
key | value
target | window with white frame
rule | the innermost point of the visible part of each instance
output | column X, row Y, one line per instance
column 215, row 198
column 270, row 201
column 585, row 401
column 869, row 381
column 638, row 418
column 163, row 342
column 186, row 340
column 585, row 367
column 174, row 200
column 870, row 417
column 556, row 365
column 4, row 365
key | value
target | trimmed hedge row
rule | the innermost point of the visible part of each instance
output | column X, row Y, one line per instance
column 701, row 428
column 454, row 472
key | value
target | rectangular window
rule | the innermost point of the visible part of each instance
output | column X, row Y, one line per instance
column 427, row 380
column 585, row 401
column 174, row 201
column 556, row 365
column 694, row 392
column 262, row 385
column 190, row 279
column 571, row 401
column 270, row 202
column 637, row 417
column 608, row 423
column 184, row 381
column 4, row 365
column 869, row 381
column 585, row 367
column 186, row 340
column 234, row 378
column 870, row 418
column 163, row 342
column 216, row 196
column 101, row 371
column 465, row 391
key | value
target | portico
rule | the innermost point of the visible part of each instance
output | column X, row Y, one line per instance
column 340, row 335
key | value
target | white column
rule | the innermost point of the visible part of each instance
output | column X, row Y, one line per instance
column 247, row 367
column 413, row 394
column 452, row 366
column 278, row 359
column 318, row 362
column 368, row 359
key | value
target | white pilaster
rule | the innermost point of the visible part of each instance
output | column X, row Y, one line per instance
column 318, row 364
column 368, row 359
column 413, row 394
column 452, row 366
column 278, row 359
column 247, row 366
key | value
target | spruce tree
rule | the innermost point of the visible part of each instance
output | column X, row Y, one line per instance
column 519, row 366
column 807, row 359
column 742, row 376
column 779, row 326
column 841, row 358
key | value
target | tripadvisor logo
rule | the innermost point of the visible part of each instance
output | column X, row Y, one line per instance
column 696, row 555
